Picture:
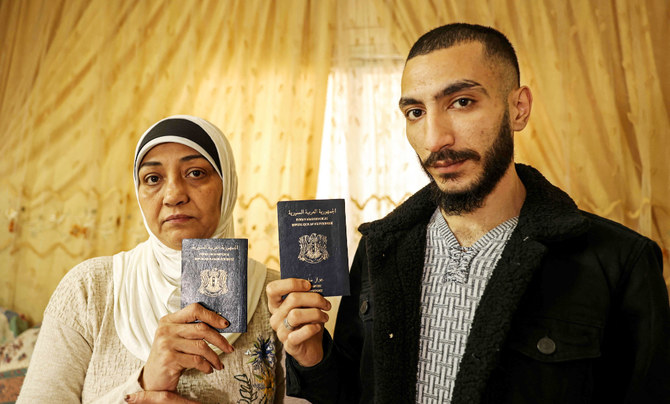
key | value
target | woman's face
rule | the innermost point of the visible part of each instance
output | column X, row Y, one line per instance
column 179, row 193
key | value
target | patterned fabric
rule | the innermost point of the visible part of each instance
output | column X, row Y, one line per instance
column 16, row 354
column 454, row 279
column 14, row 358
column 10, row 384
column 11, row 325
column 261, row 384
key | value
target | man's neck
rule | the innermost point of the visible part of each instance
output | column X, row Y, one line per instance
column 502, row 204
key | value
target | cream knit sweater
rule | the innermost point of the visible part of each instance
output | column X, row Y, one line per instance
column 78, row 356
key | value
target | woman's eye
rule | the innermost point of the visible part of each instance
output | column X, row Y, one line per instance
column 196, row 173
column 151, row 179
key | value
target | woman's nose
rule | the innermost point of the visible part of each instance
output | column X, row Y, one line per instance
column 175, row 192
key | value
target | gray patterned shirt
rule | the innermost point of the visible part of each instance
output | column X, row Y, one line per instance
column 454, row 279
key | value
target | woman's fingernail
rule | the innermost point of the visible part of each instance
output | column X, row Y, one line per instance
column 307, row 285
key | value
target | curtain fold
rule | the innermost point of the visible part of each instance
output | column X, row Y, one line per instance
column 600, row 125
column 80, row 81
column 365, row 157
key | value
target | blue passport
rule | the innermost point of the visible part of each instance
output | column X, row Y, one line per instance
column 313, row 244
column 214, row 274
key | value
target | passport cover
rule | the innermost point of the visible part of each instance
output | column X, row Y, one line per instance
column 214, row 274
column 313, row 244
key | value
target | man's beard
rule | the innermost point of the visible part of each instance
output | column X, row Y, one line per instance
column 496, row 162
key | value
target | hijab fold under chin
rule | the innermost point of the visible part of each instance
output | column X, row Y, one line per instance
column 147, row 278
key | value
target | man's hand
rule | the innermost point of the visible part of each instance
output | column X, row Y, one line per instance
column 298, row 318
column 181, row 344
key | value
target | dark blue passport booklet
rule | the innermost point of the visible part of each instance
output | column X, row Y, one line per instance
column 214, row 274
column 313, row 244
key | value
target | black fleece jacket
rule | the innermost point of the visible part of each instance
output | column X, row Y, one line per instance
column 593, row 287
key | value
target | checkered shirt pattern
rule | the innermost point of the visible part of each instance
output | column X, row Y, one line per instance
column 454, row 279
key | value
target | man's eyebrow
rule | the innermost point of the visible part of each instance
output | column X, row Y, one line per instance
column 447, row 91
column 404, row 101
column 459, row 86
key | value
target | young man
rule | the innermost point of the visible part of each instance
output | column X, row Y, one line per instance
column 488, row 285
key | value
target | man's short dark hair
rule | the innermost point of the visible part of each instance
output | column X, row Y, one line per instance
column 496, row 45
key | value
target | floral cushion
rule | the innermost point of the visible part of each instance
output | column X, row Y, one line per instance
column 16, row 354
column 16, row 348
column 11, row 325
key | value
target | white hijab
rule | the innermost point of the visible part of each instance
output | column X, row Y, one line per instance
column 147, row 279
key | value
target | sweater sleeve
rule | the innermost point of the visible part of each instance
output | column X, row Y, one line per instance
column 117, row 394
column 60, row 360
column 58, row 365
column 58, row 368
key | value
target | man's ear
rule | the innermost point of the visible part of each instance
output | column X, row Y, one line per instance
column 521, row 101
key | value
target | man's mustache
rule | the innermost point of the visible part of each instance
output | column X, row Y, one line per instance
column 450, row 155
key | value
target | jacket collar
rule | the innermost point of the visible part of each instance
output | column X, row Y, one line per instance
column 545, row 204
column 548, row 214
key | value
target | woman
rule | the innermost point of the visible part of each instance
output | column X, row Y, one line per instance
column 113, row 329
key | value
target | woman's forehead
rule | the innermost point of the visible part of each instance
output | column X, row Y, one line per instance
column 171, row 151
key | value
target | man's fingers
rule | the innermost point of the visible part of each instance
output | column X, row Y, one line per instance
column 149, row 397
column 304, row 333
column 299, row 317
column 305, row 300
column 298, row 301
column 276, row 290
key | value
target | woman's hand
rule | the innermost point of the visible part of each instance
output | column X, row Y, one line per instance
column 149, row 397
column 298, row 319
column 181, row 344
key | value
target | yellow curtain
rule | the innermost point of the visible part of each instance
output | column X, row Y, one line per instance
column 600, row 125
column 81, row 80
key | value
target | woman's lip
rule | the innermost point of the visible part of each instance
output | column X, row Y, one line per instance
column 177, row 218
